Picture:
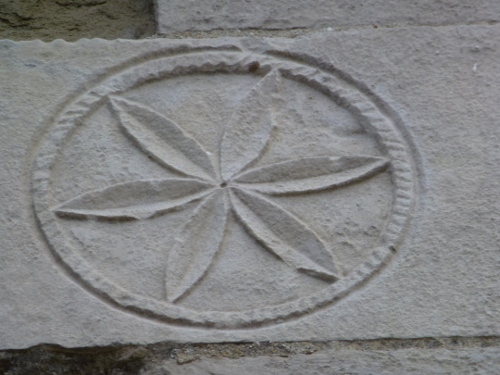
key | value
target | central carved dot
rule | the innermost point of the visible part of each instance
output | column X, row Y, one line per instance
column 223, row 185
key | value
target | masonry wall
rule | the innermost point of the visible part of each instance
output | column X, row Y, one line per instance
column 454, row 343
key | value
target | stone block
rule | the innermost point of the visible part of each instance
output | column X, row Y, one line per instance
column 184, row 16
column 335, row 186
column 410, row 361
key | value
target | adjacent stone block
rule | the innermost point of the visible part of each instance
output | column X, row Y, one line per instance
column 410, row 361
column 180, row 16
column 335, row 186
column 76, row 19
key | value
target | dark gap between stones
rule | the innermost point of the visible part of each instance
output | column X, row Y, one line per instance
column 75, row 19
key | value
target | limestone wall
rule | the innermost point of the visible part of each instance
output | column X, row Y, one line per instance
column 249, row 187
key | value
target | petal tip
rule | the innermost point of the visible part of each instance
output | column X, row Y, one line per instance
column 173, row 295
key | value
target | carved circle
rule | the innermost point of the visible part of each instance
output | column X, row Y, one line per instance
column 330, row 83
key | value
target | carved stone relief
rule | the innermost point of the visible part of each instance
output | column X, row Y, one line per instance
column 223, row 188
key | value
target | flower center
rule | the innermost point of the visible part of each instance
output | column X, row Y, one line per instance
column 223, row 184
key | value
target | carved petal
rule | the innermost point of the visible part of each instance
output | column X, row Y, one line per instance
column 283, row 234
column 249, row 127
column 196, row 245
column 310, row 174
column 135, row 200
column 163, row 139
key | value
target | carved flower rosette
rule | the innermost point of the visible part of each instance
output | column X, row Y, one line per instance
column 223, row 188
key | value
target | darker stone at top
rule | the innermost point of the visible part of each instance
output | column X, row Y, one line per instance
column 75, row 19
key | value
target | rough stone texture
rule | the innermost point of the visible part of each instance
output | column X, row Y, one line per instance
column 423, row 269
column 180, row 16
column 478, row 361
column 74, row 19
column 390, row 356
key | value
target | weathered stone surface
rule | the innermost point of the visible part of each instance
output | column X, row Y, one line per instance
column 75, row 19
column 408, row 361
column 335, row 186
column 477, row 355
column 181, row 16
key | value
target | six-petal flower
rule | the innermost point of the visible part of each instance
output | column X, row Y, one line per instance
column 235, row 185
